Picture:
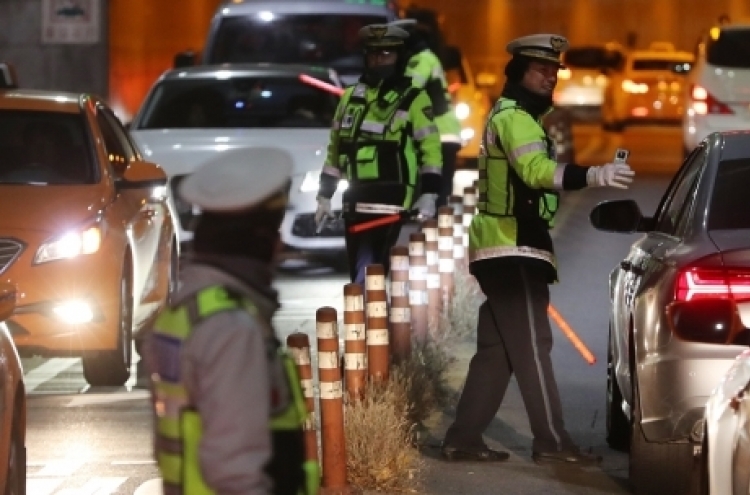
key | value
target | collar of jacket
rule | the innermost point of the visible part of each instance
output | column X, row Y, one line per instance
column 537, row 106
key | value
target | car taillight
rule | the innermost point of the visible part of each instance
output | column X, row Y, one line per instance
column 705, row 103
column 712, row 283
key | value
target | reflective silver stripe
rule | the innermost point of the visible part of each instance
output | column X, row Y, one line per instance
column 359, row 90
column 419, row 80
column 527, row 148
column 401, row 114
column 539, row 371
column 371, row 126
column 431, row 170
column 557, row 181
column 500, row 251
column 450, row 138
column 329, row 169
column 377, row 208
column 422, row 133
column 169, row 445
column 437, row 72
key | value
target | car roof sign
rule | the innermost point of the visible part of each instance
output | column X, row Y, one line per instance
column 8, row 79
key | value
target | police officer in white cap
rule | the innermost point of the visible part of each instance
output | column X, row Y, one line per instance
column 218, row 377
column 512, row 257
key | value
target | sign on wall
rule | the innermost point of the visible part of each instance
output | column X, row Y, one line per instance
column 70, row 21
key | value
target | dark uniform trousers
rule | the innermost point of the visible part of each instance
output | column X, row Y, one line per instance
column 448, row 170
column 513, row 337
column 370, row 247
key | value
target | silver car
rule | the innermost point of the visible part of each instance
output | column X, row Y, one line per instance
column 695, row 247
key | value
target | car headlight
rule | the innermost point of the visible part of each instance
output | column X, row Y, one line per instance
column 311, row 183
column 462, row 111
column 70, row 245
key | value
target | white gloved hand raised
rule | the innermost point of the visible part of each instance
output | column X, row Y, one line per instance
column 618, row 175
column 426, row 205
column 324, row 209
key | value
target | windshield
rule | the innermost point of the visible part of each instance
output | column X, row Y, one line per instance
column 238, row 102
column 44, row 148
column 729, row 199
column 730, row 49
column 331, row 40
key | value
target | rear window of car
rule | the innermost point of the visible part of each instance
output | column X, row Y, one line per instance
column 331, row 40
column 656, row 64
column 238, row 102
column 729, row 206
column 39, row 147
column 730, row 49
column 592, row 58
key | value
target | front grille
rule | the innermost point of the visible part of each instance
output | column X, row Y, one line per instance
column 10, row 249
column 304, row 226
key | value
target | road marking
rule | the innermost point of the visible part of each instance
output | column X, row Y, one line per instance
column 96, row 486
column 42, row 486
column 133, row 463
column 60, row 467
column 46, row 372
column 89, row 399
column 150, row 487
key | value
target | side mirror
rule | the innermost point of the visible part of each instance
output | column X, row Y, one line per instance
column 7, row 300
column 485, row 80
column 623, row 216
column 187, row 58
column 140, row 174
column 713, row 321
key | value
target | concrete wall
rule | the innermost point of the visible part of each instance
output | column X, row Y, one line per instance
column 77, row 68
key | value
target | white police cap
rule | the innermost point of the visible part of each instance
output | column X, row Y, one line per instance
column 240, row 180
column 382, row 35
column 541, row 46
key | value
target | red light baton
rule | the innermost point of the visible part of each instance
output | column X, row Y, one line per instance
column 311, row 81
column 371, row 224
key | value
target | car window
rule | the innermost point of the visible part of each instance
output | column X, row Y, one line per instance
column 656, row 64
column 728, row 208
column 730, row 49
column 325, row 39
column 239, row 102
column 592, row 58
column 676, row 205
column 45, row 147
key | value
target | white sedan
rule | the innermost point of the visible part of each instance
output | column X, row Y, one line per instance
column 193, row 114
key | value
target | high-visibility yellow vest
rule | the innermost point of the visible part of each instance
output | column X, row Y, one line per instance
column 179, row 427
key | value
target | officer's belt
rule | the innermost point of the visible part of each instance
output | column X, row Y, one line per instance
column 377, row 208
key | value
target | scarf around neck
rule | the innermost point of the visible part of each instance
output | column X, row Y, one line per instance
column 533, row 103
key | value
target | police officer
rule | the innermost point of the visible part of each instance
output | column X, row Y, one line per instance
column 228, row 405
column 512, row 257
column 426, row 71
column 385, row 142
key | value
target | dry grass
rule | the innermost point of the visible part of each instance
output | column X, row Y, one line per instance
column 380, row 456
column 459, row 321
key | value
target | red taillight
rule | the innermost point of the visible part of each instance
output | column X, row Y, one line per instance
column 713, row 283
column 705, row 103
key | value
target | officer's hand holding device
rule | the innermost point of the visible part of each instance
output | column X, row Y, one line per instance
column 324, row 209
column 616, row 174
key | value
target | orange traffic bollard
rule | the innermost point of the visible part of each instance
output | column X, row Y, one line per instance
column 376, row 298
column 355, row 344
column 418, row 287
column 446, row 264
column 400, row 315
column 298, row 344
column 587, row 355
column 333, row 441
column 470, row 208
column 434, row 299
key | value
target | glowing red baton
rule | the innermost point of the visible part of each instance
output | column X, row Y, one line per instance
column 321, row 84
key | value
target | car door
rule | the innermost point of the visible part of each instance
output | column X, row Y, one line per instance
column 647, row 260
column 140, row 211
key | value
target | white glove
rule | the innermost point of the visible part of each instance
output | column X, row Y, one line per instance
column 618, row 175
column 324, row 209
column 426, row 205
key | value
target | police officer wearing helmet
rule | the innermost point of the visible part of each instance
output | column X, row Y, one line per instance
column 385, row 143
column 512, row 257
column 228, row 404
column 426, row 71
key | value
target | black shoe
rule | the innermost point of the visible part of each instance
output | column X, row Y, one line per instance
column 484, row 455
column 568, row 456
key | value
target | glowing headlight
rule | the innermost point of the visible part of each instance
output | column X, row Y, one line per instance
column 70, row 245
column 311, row 183
column 462, row 111
column 74, row 312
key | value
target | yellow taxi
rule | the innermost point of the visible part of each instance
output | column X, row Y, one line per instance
column 13, row 400
column 87, row 233
column 649, row 88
